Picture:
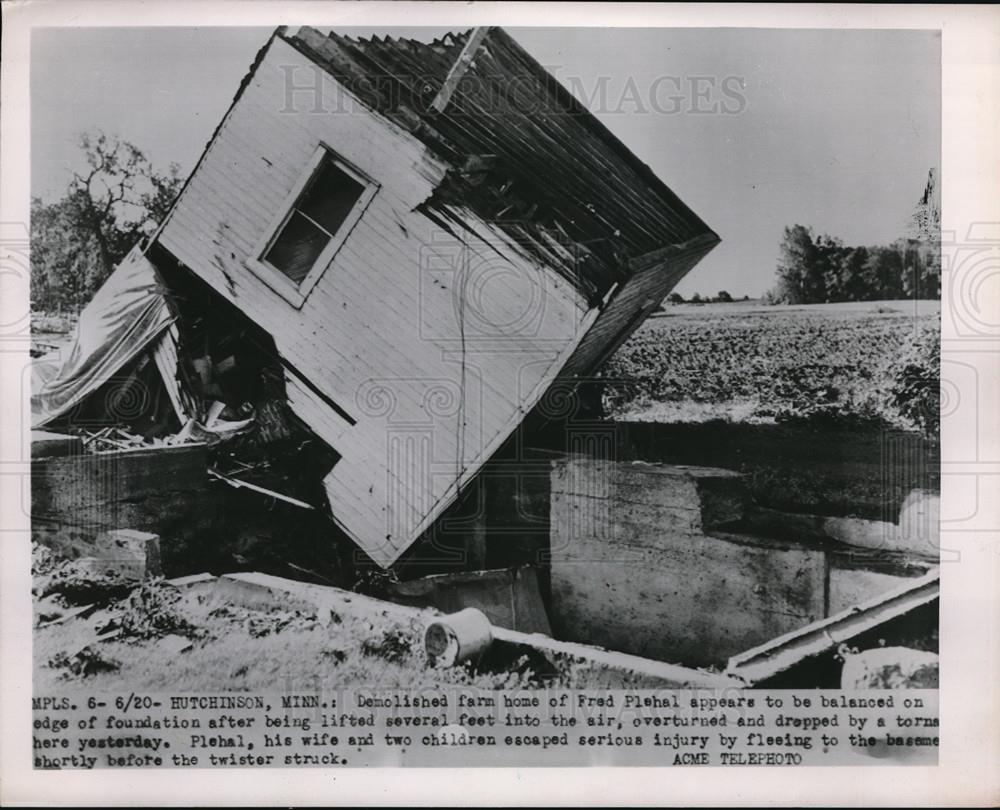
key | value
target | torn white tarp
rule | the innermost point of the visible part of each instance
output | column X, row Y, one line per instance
column 126, row 315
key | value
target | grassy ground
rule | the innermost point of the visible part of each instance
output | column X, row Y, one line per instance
column 241, row 650
column 157, row 640
column 745, row 362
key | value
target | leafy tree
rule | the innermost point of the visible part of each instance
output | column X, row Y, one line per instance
column 852, row 284
column 77, row 241
column 884, row 273
column 697, row 299
column 798, row 257
column 723, row 297
column 675, row 298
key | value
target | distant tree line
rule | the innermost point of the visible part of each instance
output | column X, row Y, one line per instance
column 78, row 240
column 819, row 269
column 722, row 297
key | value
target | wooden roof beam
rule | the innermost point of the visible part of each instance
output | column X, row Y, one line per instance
column 459, row 69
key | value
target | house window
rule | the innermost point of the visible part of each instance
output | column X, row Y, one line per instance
column 313, row 223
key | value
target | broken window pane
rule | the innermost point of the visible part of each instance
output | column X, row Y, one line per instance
column 317, row 216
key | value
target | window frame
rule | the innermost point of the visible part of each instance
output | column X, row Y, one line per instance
column 273, row 277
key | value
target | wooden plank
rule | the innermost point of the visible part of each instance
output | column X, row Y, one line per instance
column 270, row 493
column 459, row 69
column 777, row 655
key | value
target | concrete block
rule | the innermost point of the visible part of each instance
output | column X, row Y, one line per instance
column 243, row 590
column 133, row 554
column 161, row 490
column 196, row 589
column 193, row 582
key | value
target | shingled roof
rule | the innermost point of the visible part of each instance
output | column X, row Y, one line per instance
column 525, row 153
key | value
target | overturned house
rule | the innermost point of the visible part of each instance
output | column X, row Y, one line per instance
column 425, row 238
column 392, row 267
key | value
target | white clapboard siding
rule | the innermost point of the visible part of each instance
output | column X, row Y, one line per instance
column 435, row 374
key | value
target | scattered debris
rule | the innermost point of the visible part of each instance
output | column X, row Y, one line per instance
column 77, row 584
column 338, row 656
column 132, row 554
column 396, row 644
column 152, row 610
column 115, row 438
column 265, row 624
column 43, row 560
column 83, row 663
column 48, row 610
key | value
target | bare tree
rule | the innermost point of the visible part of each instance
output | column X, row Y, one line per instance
column 107, row 208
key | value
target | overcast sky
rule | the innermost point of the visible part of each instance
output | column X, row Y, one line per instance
column 832, row 129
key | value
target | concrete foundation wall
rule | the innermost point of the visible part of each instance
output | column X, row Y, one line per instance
column 204, row 524
column 648, row 559
column 845, row 472
column 633, row 570
column 75, row 497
